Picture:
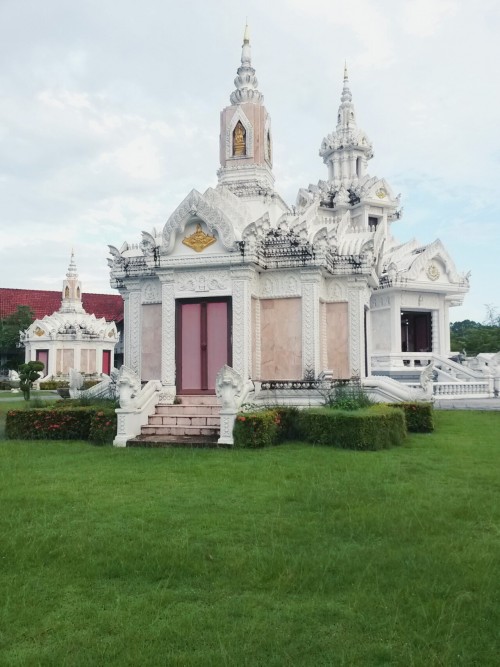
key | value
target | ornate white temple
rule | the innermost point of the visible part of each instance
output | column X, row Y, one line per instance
column 71, row 338
column 281, row 293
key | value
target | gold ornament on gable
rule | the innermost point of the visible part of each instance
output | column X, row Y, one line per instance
column 433, row 271
column 198, row 240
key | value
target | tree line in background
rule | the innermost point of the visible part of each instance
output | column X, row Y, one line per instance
column 475, row 337
column 466, row 336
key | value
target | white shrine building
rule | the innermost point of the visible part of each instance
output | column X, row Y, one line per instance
column 278, row 292
column 71, row 338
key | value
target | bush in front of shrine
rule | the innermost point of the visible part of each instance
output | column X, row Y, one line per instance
column 373, row 428
column 62, row 423
column 419, row 416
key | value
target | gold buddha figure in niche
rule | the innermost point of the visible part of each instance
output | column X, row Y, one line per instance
column 239, row 140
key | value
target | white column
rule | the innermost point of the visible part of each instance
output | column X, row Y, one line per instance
column 168, row 370
column 436, row 337
column 242, row 321
column 132, row 316
column 357, row 291
column 337, row 176
column 311, row 331
column 396, row 324
column 258, row 342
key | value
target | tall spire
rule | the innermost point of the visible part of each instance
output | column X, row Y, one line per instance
column 72, row 290
column 347, row 150
column 246, row 145
column 72, row 272
column 246, row 82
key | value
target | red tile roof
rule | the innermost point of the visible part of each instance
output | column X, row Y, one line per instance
column 45, row 302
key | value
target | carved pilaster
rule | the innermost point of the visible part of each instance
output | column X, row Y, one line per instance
column 167, row 336
column 258, row 342
column 435, row 347
column 132, row 317
column 324, row 344
column 242, row 320
column 311, row 361
column 358, row 295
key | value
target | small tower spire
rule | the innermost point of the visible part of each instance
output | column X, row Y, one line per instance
column 246, row 82
column 347, row 150
column 246, row 151
column 72, row 290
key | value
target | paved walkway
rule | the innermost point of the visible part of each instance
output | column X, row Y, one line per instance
column 468, row 404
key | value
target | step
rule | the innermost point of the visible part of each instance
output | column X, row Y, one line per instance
column 202, row 441
column 183, row 420
column 156, row 429
column 198, row 399
column 180, row 410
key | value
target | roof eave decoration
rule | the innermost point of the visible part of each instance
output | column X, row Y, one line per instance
column 435, row 250
column 196, row 205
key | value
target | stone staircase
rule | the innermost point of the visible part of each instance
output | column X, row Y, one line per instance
column 194, row 422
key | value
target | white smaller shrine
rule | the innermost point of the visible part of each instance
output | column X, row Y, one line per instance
column 71, row 338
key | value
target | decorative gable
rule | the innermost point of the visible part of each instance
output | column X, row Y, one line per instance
column 193, row 207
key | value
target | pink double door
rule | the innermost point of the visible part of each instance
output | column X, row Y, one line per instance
column 203, row 343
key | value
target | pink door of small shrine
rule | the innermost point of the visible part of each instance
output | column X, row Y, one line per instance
column 106, row 362
column 203, row 343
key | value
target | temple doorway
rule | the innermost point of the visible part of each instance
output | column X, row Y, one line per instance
column 203, row 343
column 416, row 331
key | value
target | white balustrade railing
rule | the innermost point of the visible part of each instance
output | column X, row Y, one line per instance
column 463, row 389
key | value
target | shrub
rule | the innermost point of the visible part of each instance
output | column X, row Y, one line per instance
column 369, row 429
column 48, row 424
column 103, row 427
column 419, row 416
column 256, row 429
column 347, row 395
column 54, row 384
column 288, row 425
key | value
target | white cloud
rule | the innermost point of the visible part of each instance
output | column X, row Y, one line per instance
column 424, row 18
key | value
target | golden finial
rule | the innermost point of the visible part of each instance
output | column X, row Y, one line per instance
column 246, row 34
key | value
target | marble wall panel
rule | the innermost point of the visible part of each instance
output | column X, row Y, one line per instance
column 151, row 342
column 337, row 338
column 281, row 339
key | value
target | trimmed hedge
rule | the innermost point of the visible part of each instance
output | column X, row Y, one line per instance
column 372, row 428
column 419, row 416
column 54, row 384
column 256, row 429
column 64, row 384
column 368, row 429
column 72, row 423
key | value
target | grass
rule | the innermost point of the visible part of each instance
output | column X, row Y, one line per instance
column 294, row 555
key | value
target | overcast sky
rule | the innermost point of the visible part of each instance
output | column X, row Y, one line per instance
column 109, row 116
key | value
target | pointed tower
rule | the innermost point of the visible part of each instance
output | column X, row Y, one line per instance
column 72, row 290
column 347, row 150
column 245, row 134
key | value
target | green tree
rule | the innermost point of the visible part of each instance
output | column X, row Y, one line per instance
column 477, row 337
column 10, row 328
column 29, row 373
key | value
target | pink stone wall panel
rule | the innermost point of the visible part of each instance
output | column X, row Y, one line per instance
column 151, row 342
column 337, row 339
column 92, row 363
column 281, row 339
column 84, row 361
column 216, row 340
column 68, row 360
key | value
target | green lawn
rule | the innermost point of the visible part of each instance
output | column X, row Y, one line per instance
column 294, row 555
